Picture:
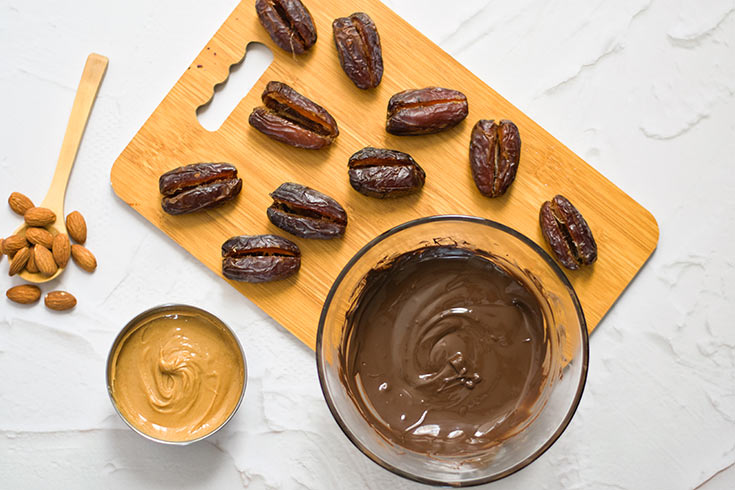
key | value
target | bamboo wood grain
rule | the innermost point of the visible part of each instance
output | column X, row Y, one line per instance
column 626, row 233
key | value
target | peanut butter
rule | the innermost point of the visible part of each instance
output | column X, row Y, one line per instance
column 177, row 375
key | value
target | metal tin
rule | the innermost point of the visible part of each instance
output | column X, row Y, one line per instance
column 177, row 308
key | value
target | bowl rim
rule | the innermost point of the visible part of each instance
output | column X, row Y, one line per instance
column 166, row 307
column 550, row 262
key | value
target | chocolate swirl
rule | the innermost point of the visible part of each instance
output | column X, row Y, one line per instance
column 443, row 352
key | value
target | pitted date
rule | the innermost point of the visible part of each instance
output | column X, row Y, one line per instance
column 291, row 118
column 306, row 212
column 198, row 186
column 567, row 233
column 288, row 23
column 425, row 111
column 358, row 48
column 381, row 173
column 260, row 258
column 495, row 150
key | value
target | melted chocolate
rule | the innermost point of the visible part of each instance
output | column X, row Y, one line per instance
column 444, row 351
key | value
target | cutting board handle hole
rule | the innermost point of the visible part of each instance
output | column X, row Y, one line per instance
column 228, row 93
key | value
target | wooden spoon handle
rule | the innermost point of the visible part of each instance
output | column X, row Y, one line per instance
column 94, row 70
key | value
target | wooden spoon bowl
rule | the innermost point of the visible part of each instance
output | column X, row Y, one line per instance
column 57, row 227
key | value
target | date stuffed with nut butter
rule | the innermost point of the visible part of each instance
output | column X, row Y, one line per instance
column 291, row 118
column 306, row 212
column 288, row 23
column 381, row 173
column 495, row 150
column 260, row 258
column 198, row 186
column 358, row 48
column 567, row 233
column 425, row 111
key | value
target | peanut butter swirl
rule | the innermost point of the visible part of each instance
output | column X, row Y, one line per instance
column 177, row 376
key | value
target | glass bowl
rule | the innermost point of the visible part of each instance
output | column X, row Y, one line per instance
column 566, row 359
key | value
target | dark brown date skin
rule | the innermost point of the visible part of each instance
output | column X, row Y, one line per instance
column 358, row 48
column 495, row 150
column 288, row 23
column 293, row 119
column 381, row 173
column 260, row 258
column 306, row 212
column 425, row 111
column 198, row 186
column 567, row 233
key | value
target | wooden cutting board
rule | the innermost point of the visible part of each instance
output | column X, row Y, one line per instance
column 626, row 233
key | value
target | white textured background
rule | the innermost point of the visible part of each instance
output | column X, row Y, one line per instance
column 644, row 90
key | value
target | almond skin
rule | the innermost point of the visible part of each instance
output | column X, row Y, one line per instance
column 61, row 249
column 19, row 261
column 60, row 300
column 44, row 260
column 24, row 294
column 77, row 227
column 40, row 217
column 83, row 258
column 19, row 203
column 13, row 243
column 2, row 240
column 31, row 264
column 39, row 236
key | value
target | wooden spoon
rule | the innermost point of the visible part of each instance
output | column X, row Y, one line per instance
column 94, row 70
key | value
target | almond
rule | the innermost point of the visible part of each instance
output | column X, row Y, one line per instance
column 44, row 260
column 19, row 203
column 61, row 249
column 1, row 247
column 60, row 300
column 31, row 264
column 83, row 258
column 13, row 243
column 39, row 236
column 77, row 227
column 24, row 294
column 19, row 261
column 39, row 217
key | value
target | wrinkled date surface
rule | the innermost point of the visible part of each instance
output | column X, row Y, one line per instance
column 424, row 111
column 260, row 258
column 377, row 172
column 358, row 47
column 288, row 23
column 495, row 150
column 291, row 118
column 198, row 186
column 567, row 233
column 306, row 212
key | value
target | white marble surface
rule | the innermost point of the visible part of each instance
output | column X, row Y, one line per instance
column 642, row 89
